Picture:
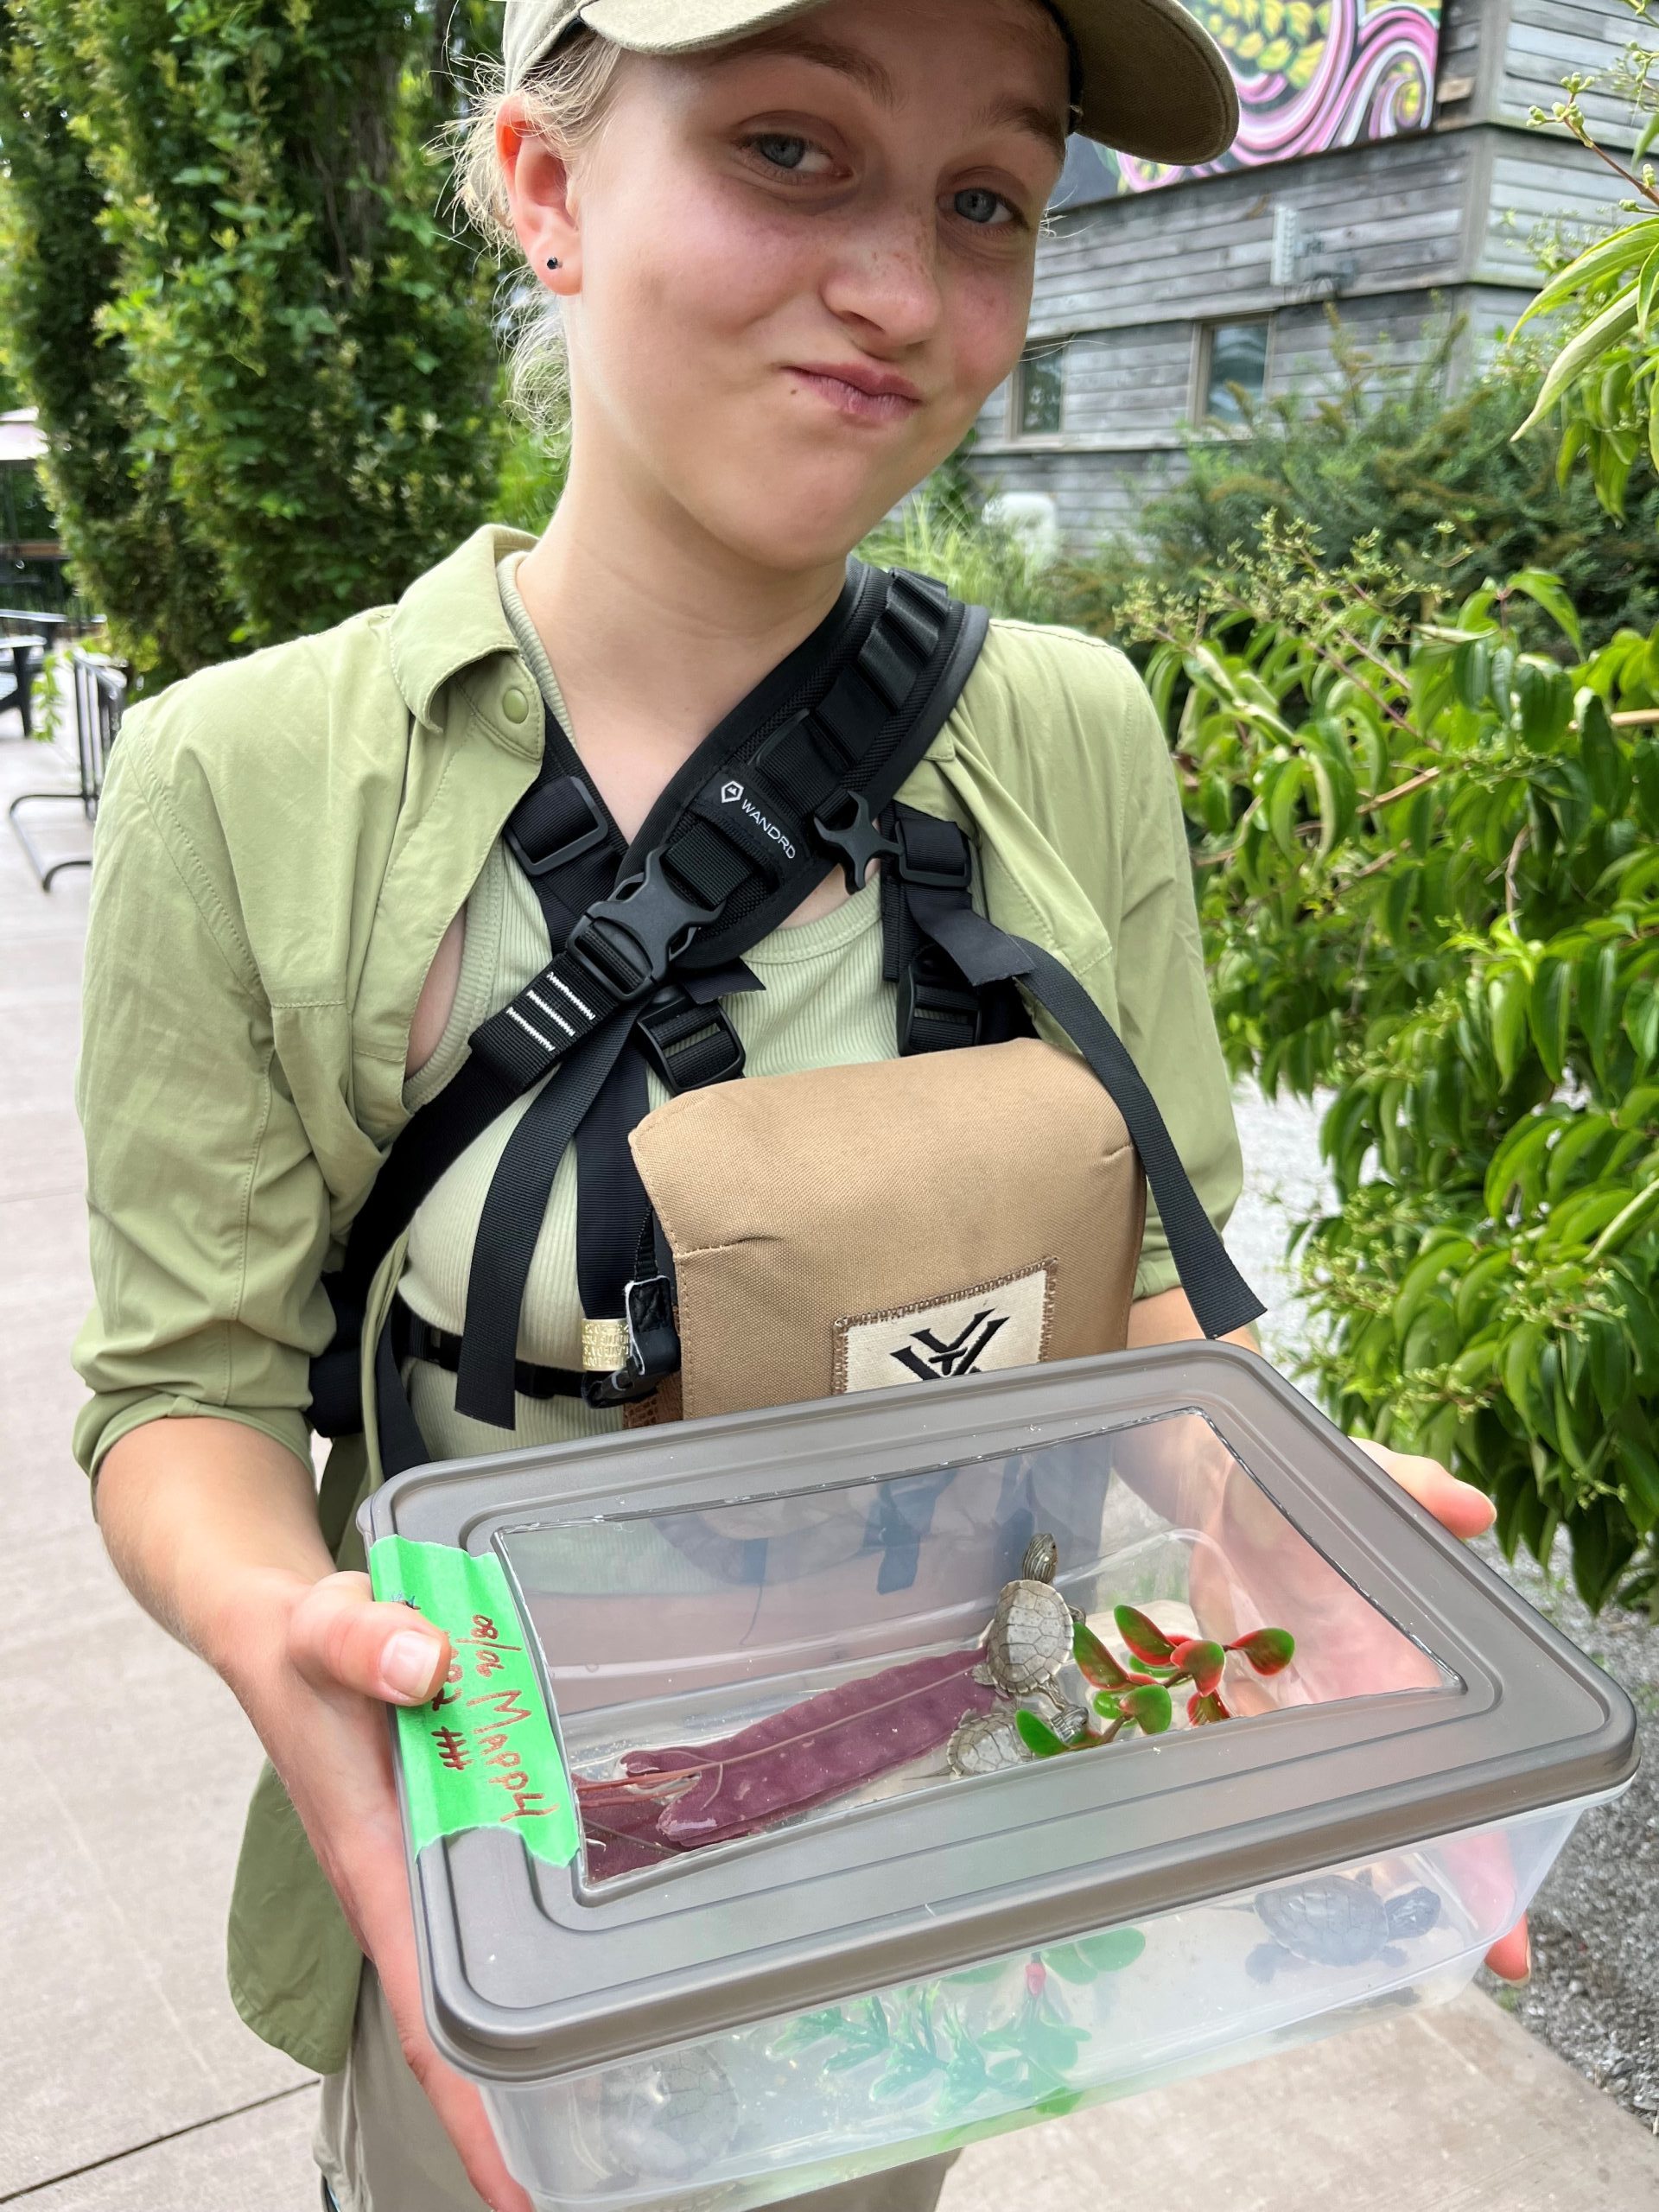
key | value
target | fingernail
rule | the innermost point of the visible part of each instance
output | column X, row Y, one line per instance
column 409, row 1663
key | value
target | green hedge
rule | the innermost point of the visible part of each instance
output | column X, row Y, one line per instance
column 1430, row 880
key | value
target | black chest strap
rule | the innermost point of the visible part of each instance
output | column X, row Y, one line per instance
column 972, row 960
column 731, row 847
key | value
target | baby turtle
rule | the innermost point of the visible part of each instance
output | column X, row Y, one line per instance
column 986, row 1743
column 670, row 2118
column 1337, row 1920
column 1030, row 1639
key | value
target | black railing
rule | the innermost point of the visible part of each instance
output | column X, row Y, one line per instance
column 97, row 695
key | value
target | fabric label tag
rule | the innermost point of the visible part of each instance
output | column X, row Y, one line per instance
column 482, row 1753
column 990, row 1324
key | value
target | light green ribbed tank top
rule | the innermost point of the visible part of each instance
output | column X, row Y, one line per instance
column 824, row 1004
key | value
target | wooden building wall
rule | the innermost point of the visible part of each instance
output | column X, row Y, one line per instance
column 1435, row 224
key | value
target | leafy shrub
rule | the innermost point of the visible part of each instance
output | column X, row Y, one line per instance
column 1447, row 494
column 269, row 377
column 1429, row 878
column 1604, row 380
column 131, row 548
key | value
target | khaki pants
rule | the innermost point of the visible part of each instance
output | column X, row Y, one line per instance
column 381, row 2149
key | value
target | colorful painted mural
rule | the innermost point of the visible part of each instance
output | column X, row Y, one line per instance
column 1312, row 74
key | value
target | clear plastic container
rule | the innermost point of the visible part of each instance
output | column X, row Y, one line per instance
column 767, row 1962
column 813, row 2098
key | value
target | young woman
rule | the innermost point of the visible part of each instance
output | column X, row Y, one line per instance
column 789, row 247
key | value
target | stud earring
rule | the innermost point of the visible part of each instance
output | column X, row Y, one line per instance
column 551, row 263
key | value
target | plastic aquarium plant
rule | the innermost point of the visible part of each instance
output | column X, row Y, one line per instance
column 1002, row 2031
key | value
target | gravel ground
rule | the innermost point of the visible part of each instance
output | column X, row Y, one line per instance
column 1593, row 1996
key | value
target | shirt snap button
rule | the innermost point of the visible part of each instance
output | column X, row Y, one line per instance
column 514, row 705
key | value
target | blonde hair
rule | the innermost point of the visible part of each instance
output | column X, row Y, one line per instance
column 566, row 99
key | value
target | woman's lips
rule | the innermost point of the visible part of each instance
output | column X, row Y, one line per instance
column 856, row 405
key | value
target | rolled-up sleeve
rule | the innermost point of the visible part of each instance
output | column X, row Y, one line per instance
column 208, row 1212
column 1163, row 991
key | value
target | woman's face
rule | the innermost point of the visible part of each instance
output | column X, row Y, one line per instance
column 849, row 199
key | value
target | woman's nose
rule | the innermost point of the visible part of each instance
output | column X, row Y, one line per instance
column 888, row 281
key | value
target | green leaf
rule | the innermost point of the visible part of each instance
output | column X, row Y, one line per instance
column 1603, row 1544
column 1095, row 1662
column 1547, row 591
column 1639, row 1483
column 1583, row 348
column 1143, row 1637
column 1038, row 1736
column 1507, row 1001
column 1625, row 249
column 1149, row 1706
column 1284, row 797
column 1548, row 1011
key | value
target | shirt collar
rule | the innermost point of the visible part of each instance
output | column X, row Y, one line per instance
column 451, row 618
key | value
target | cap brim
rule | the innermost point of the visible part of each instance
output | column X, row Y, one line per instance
column 1154, row 83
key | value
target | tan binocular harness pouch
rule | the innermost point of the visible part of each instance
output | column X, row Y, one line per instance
column 851, row 1228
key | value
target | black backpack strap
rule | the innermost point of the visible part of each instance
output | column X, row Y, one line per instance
column 934, row 876
column 737, row 830
column 730, row 849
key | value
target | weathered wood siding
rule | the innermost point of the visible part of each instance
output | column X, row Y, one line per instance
column 1548, row 38
column 1445, row 221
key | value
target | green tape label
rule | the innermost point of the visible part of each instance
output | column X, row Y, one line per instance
column 482, row 1753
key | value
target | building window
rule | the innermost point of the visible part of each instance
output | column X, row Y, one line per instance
column 1039, row 392
column 1232, row 369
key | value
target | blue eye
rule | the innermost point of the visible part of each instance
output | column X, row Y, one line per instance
column 767, row 143
column 978, row 205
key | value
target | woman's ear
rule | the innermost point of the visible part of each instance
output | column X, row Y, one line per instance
column 536, row 177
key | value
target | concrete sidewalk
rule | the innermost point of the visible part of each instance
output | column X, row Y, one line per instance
column 129, row 2083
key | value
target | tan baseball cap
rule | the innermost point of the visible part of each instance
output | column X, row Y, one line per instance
column 1154, row 83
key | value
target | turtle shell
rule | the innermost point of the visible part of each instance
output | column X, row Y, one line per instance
column 986, row 1743
column 671, row 2117
column 1332, row 1920
column 1031, row 1636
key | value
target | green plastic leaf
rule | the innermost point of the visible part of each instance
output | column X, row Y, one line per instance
column 1038, row 1736
column 1150, row 1707
column 1095, row 1662
column 1269, row 1650
column 1144, row 1638
column 1203, row 1661
column 1205, row 1708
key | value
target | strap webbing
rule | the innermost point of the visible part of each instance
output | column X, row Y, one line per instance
column 1220, row 1298
column 512, row 1222
column 728, row 851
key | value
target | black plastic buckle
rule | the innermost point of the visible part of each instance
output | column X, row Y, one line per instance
column 938, row 1008
column 573, row 848
column 859, row 840
column 631, row 941
column 957, row 876
column 653, row 1345
column 671, row 1024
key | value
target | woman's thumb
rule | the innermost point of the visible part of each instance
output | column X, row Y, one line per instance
column 341, row 1634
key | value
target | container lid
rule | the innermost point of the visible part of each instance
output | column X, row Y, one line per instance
column 661, row 1584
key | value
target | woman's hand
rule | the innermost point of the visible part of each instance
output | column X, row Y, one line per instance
column 1460, row 1507
column 315, row 1680
column 212, row 1526
column 1457, row 1506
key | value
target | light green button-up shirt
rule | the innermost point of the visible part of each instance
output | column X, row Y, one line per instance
column 282, row 843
